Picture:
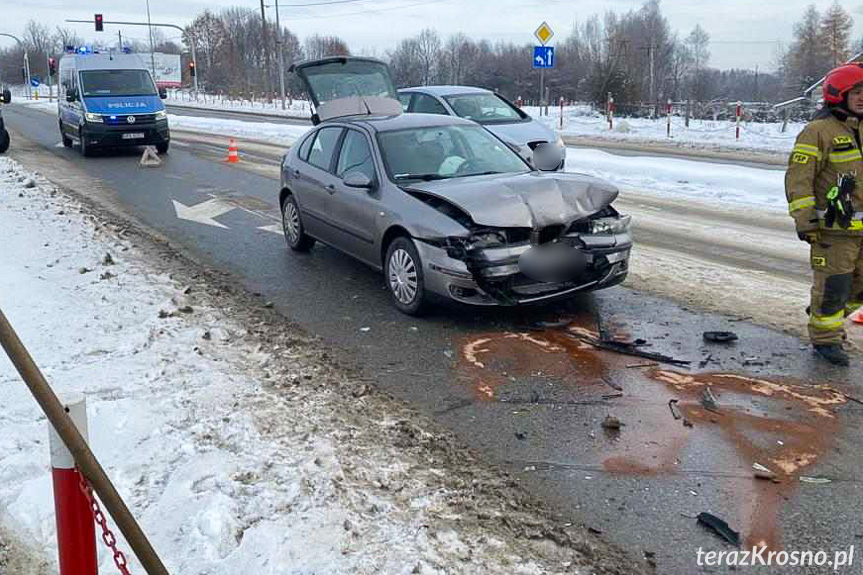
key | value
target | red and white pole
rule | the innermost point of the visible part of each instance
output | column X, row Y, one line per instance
column 738, row 114
column 668, row 109
column 561, row 112
column 76, row 532
column 610, row 112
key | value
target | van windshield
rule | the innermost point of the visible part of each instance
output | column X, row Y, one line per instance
column 117, row 83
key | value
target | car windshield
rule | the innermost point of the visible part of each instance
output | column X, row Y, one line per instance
column 346, row 78
column 117, row 83
column 442, row 152
column 483, row 108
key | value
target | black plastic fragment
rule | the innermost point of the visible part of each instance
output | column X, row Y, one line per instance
column 719, row 527
column 720, row 336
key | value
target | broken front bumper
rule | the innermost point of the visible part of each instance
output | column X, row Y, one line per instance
column 491, row 276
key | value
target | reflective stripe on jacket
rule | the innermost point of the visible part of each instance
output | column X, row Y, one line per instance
column 825, row 148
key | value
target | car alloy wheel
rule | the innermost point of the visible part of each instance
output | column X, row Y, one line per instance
column 292, row 226
column 291, row 222
column 403, row 276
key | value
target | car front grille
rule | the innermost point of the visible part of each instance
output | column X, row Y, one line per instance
column 123, row 119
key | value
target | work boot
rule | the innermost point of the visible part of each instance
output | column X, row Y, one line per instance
column 833, row 353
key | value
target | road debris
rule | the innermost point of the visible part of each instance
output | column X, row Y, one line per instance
column 762, row 472
column 719, row 527
column 687, row 423
column 703, row 363
column 675, row 411
column 642, row 364
column 611, row 384
column 612, row 396
column 815, row 480
column 720, row 336
column 611, row 422
column 708, row 400
column 108, row 260
column 627, row 349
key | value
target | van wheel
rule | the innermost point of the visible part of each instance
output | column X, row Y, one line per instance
column 162, row 148
column 86, row 150
column 4, row 141
column 67, row 141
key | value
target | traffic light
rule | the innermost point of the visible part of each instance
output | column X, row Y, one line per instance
column 98, row 19
column 52, row 67
column 192, row 69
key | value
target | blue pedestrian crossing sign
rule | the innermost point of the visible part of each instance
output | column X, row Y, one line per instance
column 543, row 56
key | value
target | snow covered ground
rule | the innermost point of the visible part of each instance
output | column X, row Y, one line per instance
column 237, row 453
column 701, row 134
column 293, row 108
column 714, row 183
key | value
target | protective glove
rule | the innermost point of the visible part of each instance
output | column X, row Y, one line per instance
column 809, row 237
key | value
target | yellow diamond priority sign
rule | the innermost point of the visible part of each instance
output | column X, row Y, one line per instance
column 543, row 33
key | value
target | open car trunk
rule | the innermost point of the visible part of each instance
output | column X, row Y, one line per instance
column 344, row 86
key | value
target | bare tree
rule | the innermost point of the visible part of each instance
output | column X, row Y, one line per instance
column 835, row 33
column 429, row 52
column 317, row 47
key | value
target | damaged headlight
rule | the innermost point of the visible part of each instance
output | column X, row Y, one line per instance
column 618, row 225
column 487, row 240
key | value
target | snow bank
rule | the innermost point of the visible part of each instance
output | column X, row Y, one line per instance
column 701, row 134
column 231, row 465
column 274, row 133
column 294, row 108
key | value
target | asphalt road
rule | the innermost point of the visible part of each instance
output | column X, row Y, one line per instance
column 530, row 396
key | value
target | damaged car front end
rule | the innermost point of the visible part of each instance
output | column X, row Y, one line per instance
column 587, row 240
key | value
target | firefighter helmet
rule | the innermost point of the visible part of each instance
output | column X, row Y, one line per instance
column 840, row 80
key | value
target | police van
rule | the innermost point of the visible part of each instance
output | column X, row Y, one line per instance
column 110, row 99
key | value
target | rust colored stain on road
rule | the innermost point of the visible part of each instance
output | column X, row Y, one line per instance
column 785, row 426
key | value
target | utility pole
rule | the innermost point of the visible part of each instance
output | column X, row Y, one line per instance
column 152, row 49
column 120, row 39
column 281, row 48
column 266, row 50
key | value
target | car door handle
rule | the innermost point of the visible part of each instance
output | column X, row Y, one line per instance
column 331, row 188
column 296, row 172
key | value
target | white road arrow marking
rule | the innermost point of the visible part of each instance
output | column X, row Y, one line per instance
column 204, row 212
column 275, row 228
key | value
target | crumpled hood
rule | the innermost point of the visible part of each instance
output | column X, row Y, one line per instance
column 530, row 200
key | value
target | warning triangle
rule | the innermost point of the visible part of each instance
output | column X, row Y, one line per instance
column 150, row 159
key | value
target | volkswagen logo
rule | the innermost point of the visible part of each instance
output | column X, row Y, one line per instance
column 130, row 119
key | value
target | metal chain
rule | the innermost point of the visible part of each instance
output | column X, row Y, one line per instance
column 99, row 517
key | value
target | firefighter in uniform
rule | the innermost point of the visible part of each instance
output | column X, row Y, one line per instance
column 824, row 186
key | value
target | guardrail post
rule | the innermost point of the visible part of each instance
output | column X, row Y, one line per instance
column 76, row 532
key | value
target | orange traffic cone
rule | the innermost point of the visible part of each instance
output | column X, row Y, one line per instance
column 233, row 156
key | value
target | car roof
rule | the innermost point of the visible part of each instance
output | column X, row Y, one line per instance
column 106, row 61
column 447, row 90
column 406, row 121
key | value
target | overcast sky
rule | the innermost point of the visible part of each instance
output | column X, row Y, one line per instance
column 744, row 33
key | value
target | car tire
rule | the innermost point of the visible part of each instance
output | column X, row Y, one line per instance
column 292, row 226
column 4, row 141
column 86, row 150
column 404, row 277
column 163, row 148
column 67, row 141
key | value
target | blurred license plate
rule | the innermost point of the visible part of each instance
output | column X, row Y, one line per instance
column 133, row 135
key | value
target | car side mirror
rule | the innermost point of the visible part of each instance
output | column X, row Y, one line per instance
column 71, row 97
column 547, row 157
column 357, row 180
column 163, row 93
column 7, row 96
